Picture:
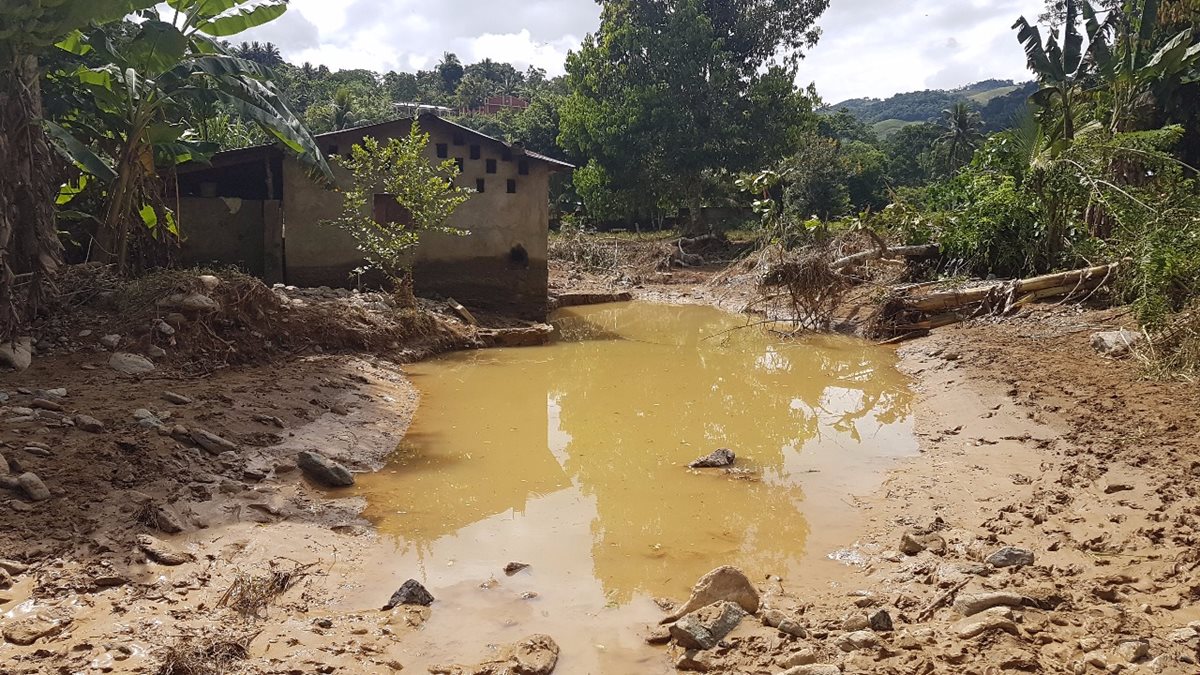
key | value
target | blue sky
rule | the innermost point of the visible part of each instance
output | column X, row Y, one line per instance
column 869, row 47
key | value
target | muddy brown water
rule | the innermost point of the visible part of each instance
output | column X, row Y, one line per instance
column 572, row 458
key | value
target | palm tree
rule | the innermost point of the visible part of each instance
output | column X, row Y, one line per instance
column 341, row 110
column 962, row 135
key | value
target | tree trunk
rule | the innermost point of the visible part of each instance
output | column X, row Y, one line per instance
column 28, row 240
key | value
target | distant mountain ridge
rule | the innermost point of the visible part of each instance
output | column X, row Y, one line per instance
column 999, row 102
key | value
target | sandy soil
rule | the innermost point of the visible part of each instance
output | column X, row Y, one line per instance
column 1029, row 439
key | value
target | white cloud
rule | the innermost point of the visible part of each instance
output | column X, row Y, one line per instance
column 868, row 48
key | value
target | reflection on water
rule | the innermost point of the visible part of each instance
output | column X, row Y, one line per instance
column 572, row 456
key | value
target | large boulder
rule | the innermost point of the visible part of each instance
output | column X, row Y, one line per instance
column 724, row 583
column 324, row 470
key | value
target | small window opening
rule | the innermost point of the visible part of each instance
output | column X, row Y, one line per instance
column 479, row 185
column 474, row 152
column 458, row 161
column 506, row 155
column 491, row 166
column 523, row 167
column 459, row 139
column 512, row 186
column 443, row 151
column 518, row 256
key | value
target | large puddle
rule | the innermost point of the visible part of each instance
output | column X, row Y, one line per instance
column 572, row 458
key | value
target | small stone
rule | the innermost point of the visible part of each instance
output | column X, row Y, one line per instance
column 45, row 404
column 164, row 328
column 109, row 581
column 694, row 661
column 177, row 399
column 1010, row 556
column 859, row 639
column 723, row 583
column 176, row 319
column 155, row 352
column 783, row 622
column 715, row 459
column 85, row 333
column 410, row 592
column 1113, row 488
column 57, row 392
column 17, row 354
column 514, row 567
column 707, row 626
column 209, row 281
column 1185, row 634
column 1115, row 342
column 4, row 466
column 130, row 364
column 89, row 424
column 161, row 552
column 211, row 442
column 910, row 545
column 801, row 658
column 198, row 302
column 1131, row 651
column 1096, row 660
column 973, row 626
column 856, row 622
column 110, row 341
column 33, row 486
column 30, row 629
column 657, row 635
column 881, row 622
column 324, row 470
column 13, row 567
column 969, row 604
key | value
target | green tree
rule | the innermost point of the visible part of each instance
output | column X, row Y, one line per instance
column 426, row 192
column 961, row 134
column 910, row 154
column 668, row 90
column 265, row 54
column 142, row 95
column 449, row 72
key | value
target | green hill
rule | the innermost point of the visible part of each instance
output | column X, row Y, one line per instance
column 998, row 101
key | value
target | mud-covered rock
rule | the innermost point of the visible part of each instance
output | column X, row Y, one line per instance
column 1010, row 556
column 783, row 622
column 33, row 487
column 859, row 639
column 324, row 470
column 813, row 669
column 130, row 364
column 161, row 552
column 535, row 655
column 89, row 424
column 968, row 604
column 211, row 442
column 986, row 622
column 1115, row 342
column 28, row 630
column 715, row 459
column 723, row 583
column 705, row 627
column 694, row 661
column 410, row 592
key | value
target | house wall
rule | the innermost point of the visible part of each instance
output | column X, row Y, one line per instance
column 226, row 230
column 484, row 269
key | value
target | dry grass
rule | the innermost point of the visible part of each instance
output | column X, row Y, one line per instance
column 251, row 594
column 1174, row 352
column 213, row 654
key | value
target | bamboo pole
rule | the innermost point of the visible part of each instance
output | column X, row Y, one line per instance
column 1089, row 277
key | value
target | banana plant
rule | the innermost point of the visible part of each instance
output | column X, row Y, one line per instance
column 1141, row 68
column 1063, row 66
column 142, row 97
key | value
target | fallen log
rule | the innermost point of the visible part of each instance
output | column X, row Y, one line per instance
column 876, row 253
column 1089, row 277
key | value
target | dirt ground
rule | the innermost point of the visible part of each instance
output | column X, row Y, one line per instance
column 1029, row 439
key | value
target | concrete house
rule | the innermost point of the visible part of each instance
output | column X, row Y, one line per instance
column 257, row 208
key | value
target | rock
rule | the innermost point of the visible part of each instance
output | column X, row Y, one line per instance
column 211, row 442
column 198, row 302
column 17, row 354
column 1131, row 651
column 45, row 404
column 856, row 622
column 324, row 470
column 715, row 459
column 57, row 392
column 164, row 328
column 801, row 658
column 657, row 635
column 783, row 622
column 912, row 543
column 163, row 519
column 514, row 567
column 723, row 583
column 130, row 364
column 89, row 424
column 1010, row 556
column 969, row 604
column 986, row 622
column 110, row 341
column 33, row 486
column 146, row 418
column 161, row 552
column 1113, row 488
column 1115, row 342
column 694, row 661
column 859, row 639
column 3, row 466
column 30, row 629
column 813, row 669
column 535, row 655
column 209, row 281
column 177, row 399
column 155, row 352
column 1185, row 634
column 705, row 627
column 881, row 622
column 176, row 319
column 13, row 567
column 410, row 592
